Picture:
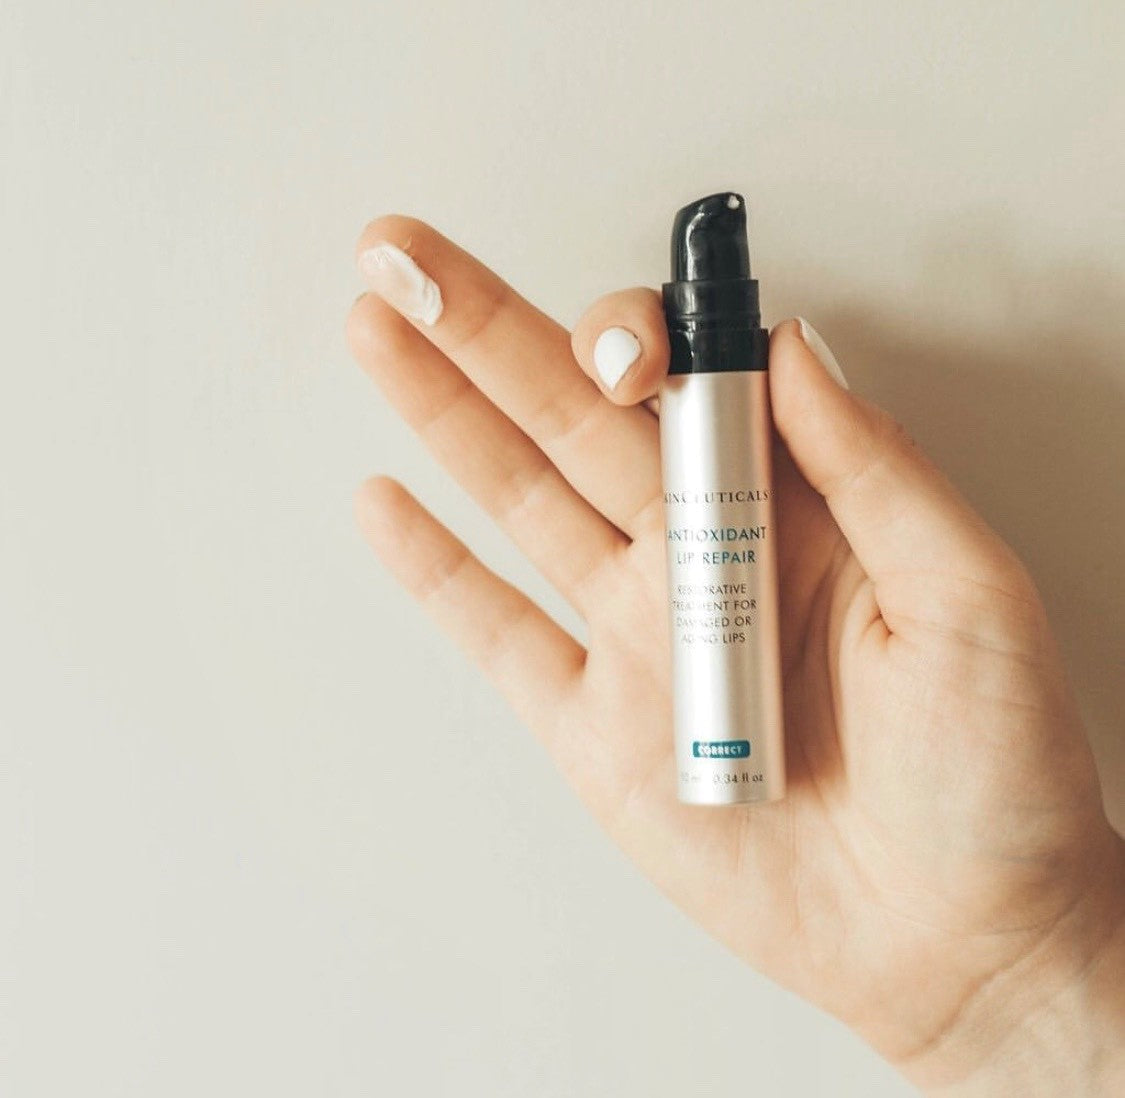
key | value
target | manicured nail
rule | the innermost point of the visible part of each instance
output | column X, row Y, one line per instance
column 615, row 351
column 401, row 283
column 822, row 351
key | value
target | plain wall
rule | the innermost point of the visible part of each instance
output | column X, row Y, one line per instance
column 219, row 876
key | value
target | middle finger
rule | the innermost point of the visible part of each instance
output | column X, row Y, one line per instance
column 515, row 482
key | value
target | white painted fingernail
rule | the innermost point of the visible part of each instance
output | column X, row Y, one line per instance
column 615, row 351
column 822, row 351
column 401, row 283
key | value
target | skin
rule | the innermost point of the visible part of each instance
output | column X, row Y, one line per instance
column 941, row 875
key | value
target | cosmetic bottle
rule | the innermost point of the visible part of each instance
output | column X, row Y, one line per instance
column 716, row 439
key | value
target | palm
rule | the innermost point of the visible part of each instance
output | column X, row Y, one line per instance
column 934, row 758
column 906, row 833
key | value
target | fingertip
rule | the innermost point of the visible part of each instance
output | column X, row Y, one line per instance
column 377, row 502
column 376, row 332
column 358, row 324
column 790, row 353
column 622, row 344
column 796, row 337
column 804, row 385
column 616, row 350
column 402, row 230
column 829, row 431
column 789, row 326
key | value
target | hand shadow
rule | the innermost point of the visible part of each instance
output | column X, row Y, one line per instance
column 1023, row 406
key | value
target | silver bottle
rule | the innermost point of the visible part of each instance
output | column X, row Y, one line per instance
column 716, row 455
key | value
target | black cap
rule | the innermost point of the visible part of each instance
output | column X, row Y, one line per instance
column 711, row 304
column 709, row 240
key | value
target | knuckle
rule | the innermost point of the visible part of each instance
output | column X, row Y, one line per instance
column 474, row 322
column 890, row 434
column 1014, row 577
column 523, row 486
column 437, row 581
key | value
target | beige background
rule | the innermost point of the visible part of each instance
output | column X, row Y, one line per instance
column 220, row 874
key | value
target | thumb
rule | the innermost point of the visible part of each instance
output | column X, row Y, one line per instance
column 896, row 509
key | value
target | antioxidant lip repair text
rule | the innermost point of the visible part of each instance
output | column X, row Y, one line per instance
column 716, row 437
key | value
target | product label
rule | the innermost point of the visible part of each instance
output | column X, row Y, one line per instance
column 721, row 549
column 721, row 749
column 718, row 612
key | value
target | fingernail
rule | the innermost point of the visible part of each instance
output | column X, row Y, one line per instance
column 615, row 351
column 822, row 351
column 400, row 282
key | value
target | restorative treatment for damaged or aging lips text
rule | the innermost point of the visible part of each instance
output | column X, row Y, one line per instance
column 716, row 437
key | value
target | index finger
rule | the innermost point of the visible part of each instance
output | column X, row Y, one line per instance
column 521, row 360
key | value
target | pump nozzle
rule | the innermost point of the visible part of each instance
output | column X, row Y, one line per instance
column 709, row 240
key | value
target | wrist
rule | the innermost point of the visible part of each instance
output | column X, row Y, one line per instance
column 1053, row 1023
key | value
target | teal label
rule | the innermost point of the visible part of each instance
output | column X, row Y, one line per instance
column 721, row 749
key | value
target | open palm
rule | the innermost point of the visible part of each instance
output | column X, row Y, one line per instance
column 943, row 827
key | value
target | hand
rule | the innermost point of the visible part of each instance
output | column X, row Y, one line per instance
column 941, row 875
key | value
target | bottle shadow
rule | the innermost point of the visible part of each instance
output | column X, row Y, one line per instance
column 1030, row 425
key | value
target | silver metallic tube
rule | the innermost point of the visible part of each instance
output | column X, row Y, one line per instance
column 716, row 455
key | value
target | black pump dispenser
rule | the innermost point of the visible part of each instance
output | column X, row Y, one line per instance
column 709, row 240
column 711, row 304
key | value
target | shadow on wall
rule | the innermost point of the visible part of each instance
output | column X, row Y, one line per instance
column 1030, row 424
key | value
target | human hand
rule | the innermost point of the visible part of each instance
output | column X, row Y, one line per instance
column 941, row 875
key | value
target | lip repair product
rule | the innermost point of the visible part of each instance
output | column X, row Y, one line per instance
column 716, row 437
